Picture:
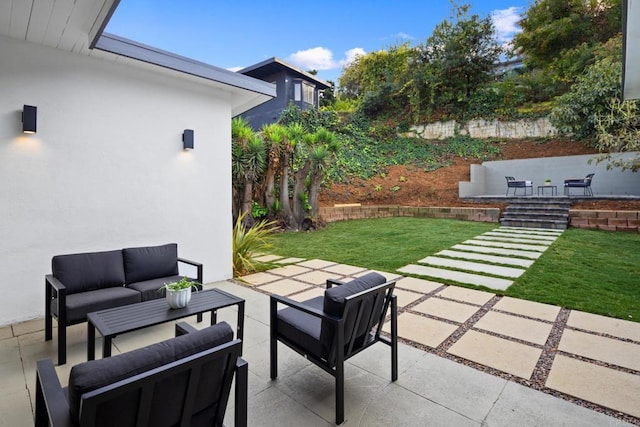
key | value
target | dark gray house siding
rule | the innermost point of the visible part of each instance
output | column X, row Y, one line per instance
column 292, row 85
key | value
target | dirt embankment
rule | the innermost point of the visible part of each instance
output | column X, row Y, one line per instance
column 412, row 186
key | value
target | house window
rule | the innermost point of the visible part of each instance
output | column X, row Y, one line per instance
column 297, row 91
column 308, row 93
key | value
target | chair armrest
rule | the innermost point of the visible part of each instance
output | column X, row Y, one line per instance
column 184, row 328
column 304, row 308
column 198, row 265
column 54, row 283
column 241, row 393
column 52, row 407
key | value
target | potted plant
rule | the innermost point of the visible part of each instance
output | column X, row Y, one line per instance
column 178, row 294
column 547, row 181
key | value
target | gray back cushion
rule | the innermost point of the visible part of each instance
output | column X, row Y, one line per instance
column 334, row 302
column 95, row 374
column 89, row 271
column 150, row 262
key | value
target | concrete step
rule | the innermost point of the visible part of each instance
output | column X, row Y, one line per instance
column 456, row 276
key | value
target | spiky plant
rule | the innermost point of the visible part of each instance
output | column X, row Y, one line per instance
column 247, row 242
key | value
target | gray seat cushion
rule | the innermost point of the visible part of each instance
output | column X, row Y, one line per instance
column 80, row 304
column 302, row 328
column 150, row 262
column 151, row 289
column 94, row 374
column 89, row 271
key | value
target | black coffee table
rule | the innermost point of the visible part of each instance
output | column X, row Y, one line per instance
column 129, row 318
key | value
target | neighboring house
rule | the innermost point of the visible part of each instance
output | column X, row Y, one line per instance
column 106, row 168
column 631, row 49
column 502, row 68
column 293, row 85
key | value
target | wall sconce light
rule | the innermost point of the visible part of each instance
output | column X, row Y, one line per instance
column 29, row 118
column 187, row 139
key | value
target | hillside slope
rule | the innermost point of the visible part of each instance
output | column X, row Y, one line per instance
column 412, row 186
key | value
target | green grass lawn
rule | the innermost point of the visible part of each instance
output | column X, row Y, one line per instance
column 587, row 270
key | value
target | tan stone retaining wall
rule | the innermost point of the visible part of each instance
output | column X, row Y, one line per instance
column 344, row 212
column 605, row 220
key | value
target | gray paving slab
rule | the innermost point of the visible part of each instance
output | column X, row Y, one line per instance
column 532, row 230
column 458, row 276
column 513, row 240
column 520, row 235
column 473, row 266
column 538, row 248
column 500, row 251
column 488, row 258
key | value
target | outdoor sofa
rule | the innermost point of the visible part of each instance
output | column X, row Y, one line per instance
column 86, row 282
column 181, row 381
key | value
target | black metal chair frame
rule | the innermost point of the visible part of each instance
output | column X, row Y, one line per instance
column 55, row 289
column 584, row 183
column 52, row 407
column 352, row 302
column 513, row 183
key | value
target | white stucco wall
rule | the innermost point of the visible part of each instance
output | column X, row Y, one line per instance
column 106, row 168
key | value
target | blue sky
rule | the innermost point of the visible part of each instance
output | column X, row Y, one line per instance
column 323, row 35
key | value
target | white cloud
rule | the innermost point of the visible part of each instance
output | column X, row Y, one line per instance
column 321, row 58
column 505, row 22
column 404, row 36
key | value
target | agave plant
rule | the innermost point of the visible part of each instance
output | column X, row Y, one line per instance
column 248, row 242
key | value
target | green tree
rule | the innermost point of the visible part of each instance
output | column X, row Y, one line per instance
column 618, row 131
column 248, row 161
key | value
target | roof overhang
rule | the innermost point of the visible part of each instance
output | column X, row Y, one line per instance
column 631, row 49
column 274, row 65
column 78, row 26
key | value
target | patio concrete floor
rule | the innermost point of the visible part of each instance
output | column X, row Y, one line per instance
column 467, row 358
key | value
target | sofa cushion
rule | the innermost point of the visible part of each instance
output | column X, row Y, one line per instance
column 151, row 289
column 89, row 271
column 302, row 328
column 150, row 262
column 94, row 374
column 82, row 303
column 334, row 302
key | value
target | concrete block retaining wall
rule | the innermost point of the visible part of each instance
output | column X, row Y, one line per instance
column 604, row 220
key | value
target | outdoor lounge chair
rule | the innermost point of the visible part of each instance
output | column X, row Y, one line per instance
column 584, row 183
column 329, row 329
column 513, row 183
column 182, row 381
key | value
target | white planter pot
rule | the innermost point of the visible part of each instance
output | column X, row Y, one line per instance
column 179, row 298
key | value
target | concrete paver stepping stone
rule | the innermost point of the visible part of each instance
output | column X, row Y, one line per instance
column 418, row 285
column 289, row 261
column 290, row 270
column 308, row 294
column 520, row 236
column 260, row 278
column 268, row 258
column 284, row 287
column 457, row 276
column 318, row 277
column 517, row 327
column 500, row 251
column 386, row 274
column 473, row 266
column 456, row 311
column 488, row 258
column 538, row 248
column 532, row 230
column 344, row 269
column 508, row 356
column 605, row 325
column 527, row 232
column 528, row 308
column 405, row 297
column 316, row 263
column 513, row 240
column 471, row 296
column 595, row 347
column 604, row 386
column 422, row 330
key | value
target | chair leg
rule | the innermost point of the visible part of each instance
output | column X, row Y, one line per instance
column 339, row 393
column 62, row 343
column 394, row 338
column 48, row 321
column 273, row 341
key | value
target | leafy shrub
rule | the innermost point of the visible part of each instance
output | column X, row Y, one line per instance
column 247, row 243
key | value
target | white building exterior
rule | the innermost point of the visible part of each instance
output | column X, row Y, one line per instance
column 106, row 168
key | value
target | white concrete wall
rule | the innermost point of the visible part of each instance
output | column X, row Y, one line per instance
column 106, row 168
column 523, row 128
